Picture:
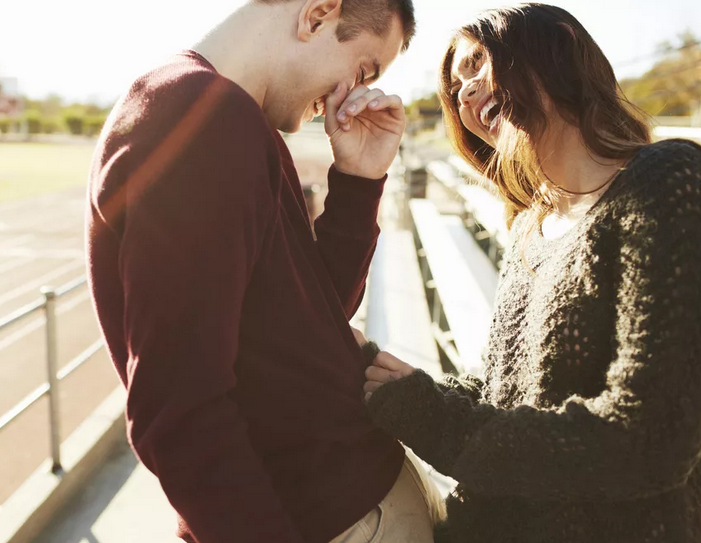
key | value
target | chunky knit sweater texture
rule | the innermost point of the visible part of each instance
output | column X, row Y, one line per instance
column 587, row 428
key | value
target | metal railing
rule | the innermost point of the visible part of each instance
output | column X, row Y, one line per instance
column 50, row 388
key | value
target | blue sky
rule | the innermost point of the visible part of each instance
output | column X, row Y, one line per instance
column 92, row 49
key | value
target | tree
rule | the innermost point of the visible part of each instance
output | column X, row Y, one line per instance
column 428, row 106
column 673, row 85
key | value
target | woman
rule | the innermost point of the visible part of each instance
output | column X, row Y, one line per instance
column 588, row 425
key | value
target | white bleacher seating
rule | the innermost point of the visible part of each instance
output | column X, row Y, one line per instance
column 462, row 277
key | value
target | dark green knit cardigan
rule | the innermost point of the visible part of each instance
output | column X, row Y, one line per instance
column 588, row 425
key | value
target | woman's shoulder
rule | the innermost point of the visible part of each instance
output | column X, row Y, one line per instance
column 674, row 158
column 662, row 177
column 676, row 149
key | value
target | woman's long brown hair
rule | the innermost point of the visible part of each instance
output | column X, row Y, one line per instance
column 535, row 49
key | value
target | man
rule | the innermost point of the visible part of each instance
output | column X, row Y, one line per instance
column 225, row 315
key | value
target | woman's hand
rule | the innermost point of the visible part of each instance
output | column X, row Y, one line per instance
column 384, row 369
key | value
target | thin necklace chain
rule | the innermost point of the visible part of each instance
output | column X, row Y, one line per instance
column 592, row 191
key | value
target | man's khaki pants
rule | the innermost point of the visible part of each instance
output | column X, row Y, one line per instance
column 406, row 515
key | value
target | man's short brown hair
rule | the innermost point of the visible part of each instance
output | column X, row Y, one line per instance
column 374, row 16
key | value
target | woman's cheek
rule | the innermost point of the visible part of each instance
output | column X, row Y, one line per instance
column 470, row 124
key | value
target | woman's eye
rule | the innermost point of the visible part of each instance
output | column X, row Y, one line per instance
column 476, row 59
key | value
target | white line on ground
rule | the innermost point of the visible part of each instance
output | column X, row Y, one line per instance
column 41, row 281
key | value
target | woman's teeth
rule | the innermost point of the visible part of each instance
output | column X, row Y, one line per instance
column 484, row 114
column 495, row 121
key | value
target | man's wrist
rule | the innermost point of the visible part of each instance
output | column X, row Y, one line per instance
column 374, row 175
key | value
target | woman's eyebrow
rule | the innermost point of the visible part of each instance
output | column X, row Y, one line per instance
column 470, row 57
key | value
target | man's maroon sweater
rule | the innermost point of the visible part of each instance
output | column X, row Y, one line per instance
column 227, row 320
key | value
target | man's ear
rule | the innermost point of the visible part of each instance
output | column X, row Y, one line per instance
column 316, row 16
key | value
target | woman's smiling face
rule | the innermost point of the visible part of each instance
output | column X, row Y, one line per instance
column 473, row 89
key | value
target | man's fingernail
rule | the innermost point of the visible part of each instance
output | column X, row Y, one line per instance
column 338, row 88
column 352, row 107
column 342, row 116
column 346, row 127
column 374, row 103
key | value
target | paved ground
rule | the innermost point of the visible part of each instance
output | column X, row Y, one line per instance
column 122, row 504
column 41, row 242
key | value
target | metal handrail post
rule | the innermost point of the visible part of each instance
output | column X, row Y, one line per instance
column 52, row 370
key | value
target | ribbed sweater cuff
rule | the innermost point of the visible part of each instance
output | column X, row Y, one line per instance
column 352, row 204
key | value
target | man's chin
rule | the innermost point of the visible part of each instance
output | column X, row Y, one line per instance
column 291, row 126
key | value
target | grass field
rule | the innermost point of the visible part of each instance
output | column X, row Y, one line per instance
column 29, row 169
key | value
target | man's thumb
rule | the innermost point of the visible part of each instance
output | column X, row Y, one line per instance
column 333, row 102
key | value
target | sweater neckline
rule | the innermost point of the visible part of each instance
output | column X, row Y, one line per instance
column 614, row 187
column 538, row 250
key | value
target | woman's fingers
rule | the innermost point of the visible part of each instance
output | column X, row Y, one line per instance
column 382, row 375
column 386, row 368
column 390, row 362
column 371, row 386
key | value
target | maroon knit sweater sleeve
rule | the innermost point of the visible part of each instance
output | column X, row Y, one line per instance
column 192, row 235
column 347, row 233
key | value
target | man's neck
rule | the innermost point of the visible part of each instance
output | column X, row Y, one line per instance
column 240, row 47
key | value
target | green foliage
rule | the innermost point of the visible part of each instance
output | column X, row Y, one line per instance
column 52, row 125
column 75, row 123
column 33, row 119
column 429, row 106
column 52, row 115
column 673, row 85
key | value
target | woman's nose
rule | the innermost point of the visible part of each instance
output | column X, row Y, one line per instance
column 467, row 93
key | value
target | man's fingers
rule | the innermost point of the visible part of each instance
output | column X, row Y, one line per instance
column 391, row 103
column 333, row 103
column 355, row 106
column 359, row 100
column 353, row 95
